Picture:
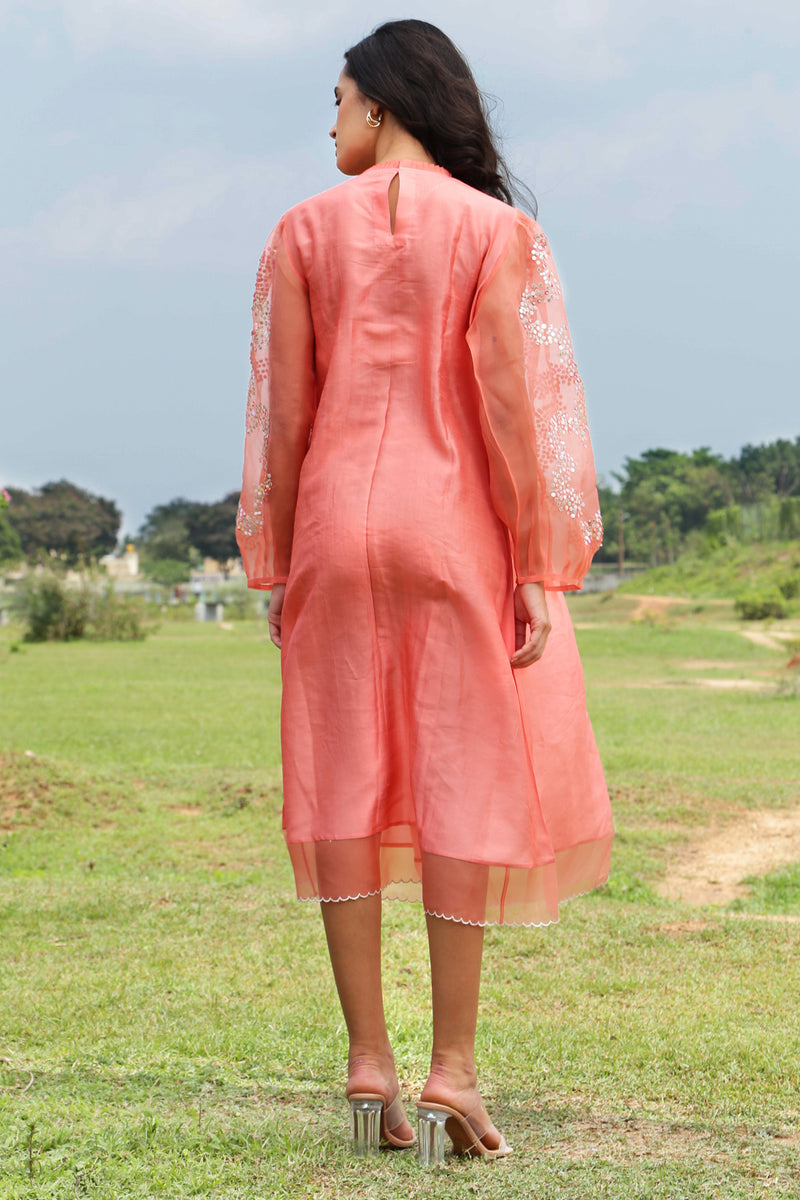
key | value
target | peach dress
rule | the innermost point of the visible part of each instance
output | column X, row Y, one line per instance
column 416, row 443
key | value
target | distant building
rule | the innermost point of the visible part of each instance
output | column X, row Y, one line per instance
column 213, row 571
column 123, row 566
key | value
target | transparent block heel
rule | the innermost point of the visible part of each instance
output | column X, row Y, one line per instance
column 366, row 1113
column 430, row 1136
column 465, row 1132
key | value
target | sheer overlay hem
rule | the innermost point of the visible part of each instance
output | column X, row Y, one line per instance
column 391, row 864
column 266, row 585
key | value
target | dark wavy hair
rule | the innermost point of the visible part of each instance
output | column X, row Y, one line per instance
column 423, row 79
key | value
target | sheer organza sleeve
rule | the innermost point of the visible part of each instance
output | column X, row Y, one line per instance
column 280, row 410
column 533, row 415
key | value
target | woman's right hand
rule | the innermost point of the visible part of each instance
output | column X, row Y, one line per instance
column 530, row 608
column 274, row 612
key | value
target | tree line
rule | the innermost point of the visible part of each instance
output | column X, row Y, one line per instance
column 664, row 502
column 179, row 535
column 63, row 520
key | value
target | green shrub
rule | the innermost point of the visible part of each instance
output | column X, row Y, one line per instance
column 758, row 605
column 114, row 618
column 55, row 612
column 10, row 545
column 789, row 586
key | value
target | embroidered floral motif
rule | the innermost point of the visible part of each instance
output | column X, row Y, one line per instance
column 250, row 517
column 254, row 415
column 528, row 312
column 246, row 523
column 548, row 286
column 261, row 328
column 262, row 314
column 542, row 334
column 250, row 523
column 560, row 412
column 266, row 269
column 593, row 530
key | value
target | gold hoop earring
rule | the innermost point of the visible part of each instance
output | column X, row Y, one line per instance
column 374, row 122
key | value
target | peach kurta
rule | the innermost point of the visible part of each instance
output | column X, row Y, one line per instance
column 417, row 443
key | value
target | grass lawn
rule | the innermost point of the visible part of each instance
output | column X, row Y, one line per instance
column 168, row 1024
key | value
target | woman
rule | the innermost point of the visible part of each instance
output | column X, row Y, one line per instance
column 417, row 474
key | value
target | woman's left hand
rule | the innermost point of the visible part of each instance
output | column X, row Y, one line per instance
column 530, row 608
column 274, row 612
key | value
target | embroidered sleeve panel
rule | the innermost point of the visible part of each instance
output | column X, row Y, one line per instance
column 557, row 394
column 533, row 396
column 280, row 406
column 256, row 481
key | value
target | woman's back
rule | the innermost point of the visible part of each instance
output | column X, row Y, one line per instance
column 397, row 399
column 390, row 308
column 436, row 352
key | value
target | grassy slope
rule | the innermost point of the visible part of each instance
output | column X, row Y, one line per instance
column 722, row 573
column 169, row 1026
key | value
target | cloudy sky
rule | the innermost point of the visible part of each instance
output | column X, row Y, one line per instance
column 149, row 146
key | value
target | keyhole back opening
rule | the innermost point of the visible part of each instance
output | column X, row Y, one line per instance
column 394, row 195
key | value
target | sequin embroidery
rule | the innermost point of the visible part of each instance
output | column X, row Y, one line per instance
column 250, row 519
column 560, row 410
column 547, row 286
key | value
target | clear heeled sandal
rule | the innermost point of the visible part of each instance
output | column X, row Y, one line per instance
column 436, row 1120
column 366, row 1114
column 373, row 1121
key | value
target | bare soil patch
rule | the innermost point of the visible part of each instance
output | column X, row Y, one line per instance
column 709, row 664
column 655, row 1141
column 31, row 791
column 734, row 685
column 26, row 790
column 654, row 607
column 775, row 640
column 742, row 685
column 775, row 918
column 679, row 928
column 711, row 870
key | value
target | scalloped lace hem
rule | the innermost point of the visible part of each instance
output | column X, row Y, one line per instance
column 447, row 916
column 519, row 924
column 358, row 895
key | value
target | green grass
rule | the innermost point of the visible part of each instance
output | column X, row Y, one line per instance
column 723, row 572
column 174, row 705
column 168, row 1025
column 776, row 892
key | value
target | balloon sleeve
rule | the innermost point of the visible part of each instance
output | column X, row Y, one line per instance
column 533, row 414
column 281, row 404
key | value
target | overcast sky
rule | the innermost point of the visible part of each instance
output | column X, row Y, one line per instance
column 148, row 147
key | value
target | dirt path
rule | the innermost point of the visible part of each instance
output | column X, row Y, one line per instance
column 621, row 1139
column 772, row 641
column 710, row 871
column 654, row 606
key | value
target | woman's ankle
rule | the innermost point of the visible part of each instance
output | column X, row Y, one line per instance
column 454, row 1067
column 369, row 1066
column 451, row 1078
